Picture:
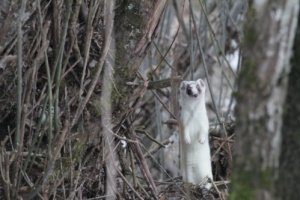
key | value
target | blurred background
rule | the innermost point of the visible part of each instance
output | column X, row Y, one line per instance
column 89, row 97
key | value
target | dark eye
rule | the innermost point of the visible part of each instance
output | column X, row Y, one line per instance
column 189, row 91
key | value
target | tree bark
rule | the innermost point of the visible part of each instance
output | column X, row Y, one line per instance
column 269, row 33
column 289, row 174
column 135, row 24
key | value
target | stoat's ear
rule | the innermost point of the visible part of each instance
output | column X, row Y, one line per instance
column 182, row 85
column 201, row 82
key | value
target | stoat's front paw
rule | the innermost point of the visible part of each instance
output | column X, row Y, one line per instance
column 187, row 139
column 202, row 139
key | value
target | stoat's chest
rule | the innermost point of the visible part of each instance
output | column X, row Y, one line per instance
column 194, row 119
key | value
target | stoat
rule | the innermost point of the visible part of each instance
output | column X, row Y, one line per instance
column 195, row 151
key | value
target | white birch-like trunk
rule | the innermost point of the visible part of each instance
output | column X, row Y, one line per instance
column 269, row 34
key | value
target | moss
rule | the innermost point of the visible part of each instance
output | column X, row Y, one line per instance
column 248, row 71
column 119, row 90
column 129, row 33
column 250, row 32
column 116, row 95
column 245, row 184
column 251, row 37
column 96, row 107
column 132, row 17
column 247, row 77
column 242, row 188
column 61, row 166
column 78, row 150
column 266, row 179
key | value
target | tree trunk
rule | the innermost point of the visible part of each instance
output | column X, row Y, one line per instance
column 269, row 32
column 289, row 174
column 135, row 25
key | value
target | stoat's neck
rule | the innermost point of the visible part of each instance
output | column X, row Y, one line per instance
column 194, row 104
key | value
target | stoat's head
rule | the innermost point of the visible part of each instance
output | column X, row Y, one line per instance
column 192, row 89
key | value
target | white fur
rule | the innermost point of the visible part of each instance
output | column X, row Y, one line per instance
column 195, row 151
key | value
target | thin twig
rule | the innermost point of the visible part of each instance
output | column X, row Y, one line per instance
column 19, row 135
column 222, row 144
column 163, row 104
column 58, row 67
column 151, row 25
column 205, row 69
column 88, row 39
column 108, row 28
column 150, row 137
column 217, row 43
column 59, row 142
column 132, row 188
column 144, row 167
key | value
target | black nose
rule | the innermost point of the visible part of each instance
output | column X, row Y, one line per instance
column 195, row 95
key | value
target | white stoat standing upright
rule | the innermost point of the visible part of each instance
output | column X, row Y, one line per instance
column 195, row 151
